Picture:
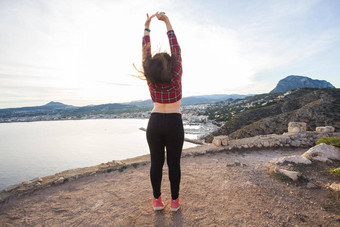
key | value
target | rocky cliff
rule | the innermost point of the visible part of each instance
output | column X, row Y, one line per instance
column 316, row 107
column 294, row 82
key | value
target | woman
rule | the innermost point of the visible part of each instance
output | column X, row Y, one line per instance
column 165, row 127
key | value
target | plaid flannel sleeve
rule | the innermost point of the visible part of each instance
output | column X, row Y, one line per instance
column 174, row 46
column 146, row 47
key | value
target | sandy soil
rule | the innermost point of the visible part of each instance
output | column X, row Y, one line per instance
column 214, row 192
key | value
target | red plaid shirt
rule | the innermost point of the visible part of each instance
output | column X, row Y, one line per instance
column 172, row 92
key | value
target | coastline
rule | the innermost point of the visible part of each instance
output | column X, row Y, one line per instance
column 105, row 138
column 262, row 142
column 38, row 183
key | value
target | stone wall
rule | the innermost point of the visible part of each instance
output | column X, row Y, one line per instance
column 297, row 136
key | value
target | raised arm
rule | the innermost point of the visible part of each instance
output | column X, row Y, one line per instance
column 146, row 37
column 147, row 24
column 175, row 48
column 161, row 16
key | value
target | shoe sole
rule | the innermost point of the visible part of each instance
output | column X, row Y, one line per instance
column 158, row 208
column 175, row 209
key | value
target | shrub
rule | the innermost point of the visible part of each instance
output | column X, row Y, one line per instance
column 335, row 171
column 335, row 141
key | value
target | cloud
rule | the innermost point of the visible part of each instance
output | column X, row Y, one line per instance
column 85, row 49
column 276, row 34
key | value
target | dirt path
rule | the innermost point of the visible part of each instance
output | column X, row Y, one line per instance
column 214, row 192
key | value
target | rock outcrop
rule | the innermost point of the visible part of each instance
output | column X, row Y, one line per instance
column 220, row 140
column 297, row 127
column 323, row 153
column 294, row 175
column 326, row 129
column 293, row 82
column 314, row 107
column 296, row 159
column 335, row 187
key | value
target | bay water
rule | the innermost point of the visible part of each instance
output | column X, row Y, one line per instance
column 36, row 149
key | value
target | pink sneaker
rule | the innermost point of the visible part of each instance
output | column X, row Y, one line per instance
column 175, row 205
column 158, row 204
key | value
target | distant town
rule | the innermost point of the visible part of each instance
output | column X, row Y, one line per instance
column 190, row 113
column 212, row 112
column 196, row 125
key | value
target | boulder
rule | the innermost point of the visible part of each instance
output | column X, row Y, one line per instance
column 265, row 143
column 326, row 129
column 292, row 159
column 291, row 174
column 220, row 140
column 323, row 153
column 335, row 187
column 32, row 182
column 277, row 143
column 12, row 187
column 60, row 180
column 297, row 127
column 322, row 159
column 295, row 143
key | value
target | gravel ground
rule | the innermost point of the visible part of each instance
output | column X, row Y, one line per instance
column 214, row 192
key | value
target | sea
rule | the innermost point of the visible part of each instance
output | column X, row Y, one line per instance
column 36, row 149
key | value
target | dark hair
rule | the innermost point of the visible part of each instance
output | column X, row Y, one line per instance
column 158, row 69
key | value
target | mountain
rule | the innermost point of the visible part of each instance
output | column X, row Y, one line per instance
column 54, row 108
column 209, row 98
column 49, row 108
column 270, row 113
column 103, row 109
column 294, row 82
column 57, row 108
column 56, row 105
column 193, row 99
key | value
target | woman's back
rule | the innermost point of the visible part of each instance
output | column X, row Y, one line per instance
column 167, row 107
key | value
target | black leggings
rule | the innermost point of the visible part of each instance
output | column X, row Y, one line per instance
column 165, row 130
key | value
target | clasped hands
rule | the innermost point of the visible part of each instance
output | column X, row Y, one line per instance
column 160, row 16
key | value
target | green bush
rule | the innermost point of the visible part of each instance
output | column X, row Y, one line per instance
column 335, row 141
column 335, row 171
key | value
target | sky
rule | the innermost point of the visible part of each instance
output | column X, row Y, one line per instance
column 81, row 52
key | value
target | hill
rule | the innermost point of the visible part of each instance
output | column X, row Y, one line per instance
column 65, row 111
column 294, row 82
column 271, row 113
column 191, row 100
column 54, row 108
column 62, row 111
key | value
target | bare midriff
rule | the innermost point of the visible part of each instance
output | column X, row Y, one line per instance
column 167, row 107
